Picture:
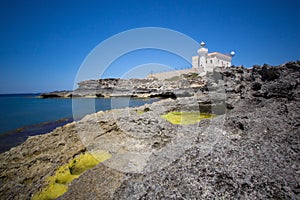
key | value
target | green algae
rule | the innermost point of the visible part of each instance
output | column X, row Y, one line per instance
column 186, row 118
column 139, row 112
column 58, row 183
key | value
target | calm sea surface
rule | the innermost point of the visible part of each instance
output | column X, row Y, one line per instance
column 22, row 115
column 26, row 109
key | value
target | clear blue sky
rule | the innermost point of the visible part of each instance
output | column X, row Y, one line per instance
column 43, row 43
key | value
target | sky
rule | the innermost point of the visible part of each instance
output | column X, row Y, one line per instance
column 44, row 43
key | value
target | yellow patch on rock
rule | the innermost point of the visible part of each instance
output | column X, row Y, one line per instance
column 58, row 183
column 186, row 118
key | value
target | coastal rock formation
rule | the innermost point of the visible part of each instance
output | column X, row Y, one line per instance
column 250, row 150
column 183, row 85
column 23, row 169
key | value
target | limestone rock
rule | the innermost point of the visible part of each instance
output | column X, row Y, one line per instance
column 250, row 150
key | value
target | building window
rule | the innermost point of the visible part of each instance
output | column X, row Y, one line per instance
column 210, row 61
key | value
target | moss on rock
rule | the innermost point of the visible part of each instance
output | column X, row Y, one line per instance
column 186, row 118
column 58, row 183
column 139, row 112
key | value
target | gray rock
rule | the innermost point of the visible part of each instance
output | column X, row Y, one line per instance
column 250, row 150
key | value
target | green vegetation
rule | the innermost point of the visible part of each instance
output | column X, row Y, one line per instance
column 139, row 112
column 185, row 118
column 186, row 76
column 174, row 78
column 190, row 75
column 58, row 183
column 143, row 111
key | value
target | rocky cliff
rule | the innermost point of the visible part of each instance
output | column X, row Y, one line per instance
column 250, row 149
column 183, row 85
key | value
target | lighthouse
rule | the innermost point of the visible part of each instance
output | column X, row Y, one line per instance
column 206, row 62
column 202, row 52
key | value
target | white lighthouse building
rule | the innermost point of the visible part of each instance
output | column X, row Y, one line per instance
column 206, row 62
column 203, row 63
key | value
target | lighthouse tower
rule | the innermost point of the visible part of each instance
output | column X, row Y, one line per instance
column 207, row 62
column 202, row 52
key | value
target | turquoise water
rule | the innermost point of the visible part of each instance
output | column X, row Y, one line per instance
column 26, row 109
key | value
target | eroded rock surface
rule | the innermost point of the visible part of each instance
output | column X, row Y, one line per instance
column 114, row 87
column 251, row 150
column 24, row 168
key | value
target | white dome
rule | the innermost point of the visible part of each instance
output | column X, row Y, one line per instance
column 232, row 53
column 202, row 44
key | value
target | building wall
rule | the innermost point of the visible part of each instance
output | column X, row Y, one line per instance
column 195, row 61
column 218, row 62
column 214, row 60
column 208, row 62
column 170, row 74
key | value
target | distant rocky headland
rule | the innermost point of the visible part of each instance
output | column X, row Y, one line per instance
column 232, row 134
column 182, row 85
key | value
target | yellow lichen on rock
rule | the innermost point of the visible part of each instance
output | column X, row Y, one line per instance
column 58, row 183
column 186, row 118
column 139, row 112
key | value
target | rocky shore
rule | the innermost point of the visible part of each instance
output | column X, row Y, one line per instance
column 183, row 85
column 250, row 149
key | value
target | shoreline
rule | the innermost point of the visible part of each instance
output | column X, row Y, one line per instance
column 252, row 146
column 16, row 137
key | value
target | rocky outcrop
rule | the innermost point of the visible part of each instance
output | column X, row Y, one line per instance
column 57, row 94
column 183, row 85
column 250, row 150
column 23, row 169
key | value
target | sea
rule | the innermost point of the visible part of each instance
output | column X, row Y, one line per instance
column 24, row 115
